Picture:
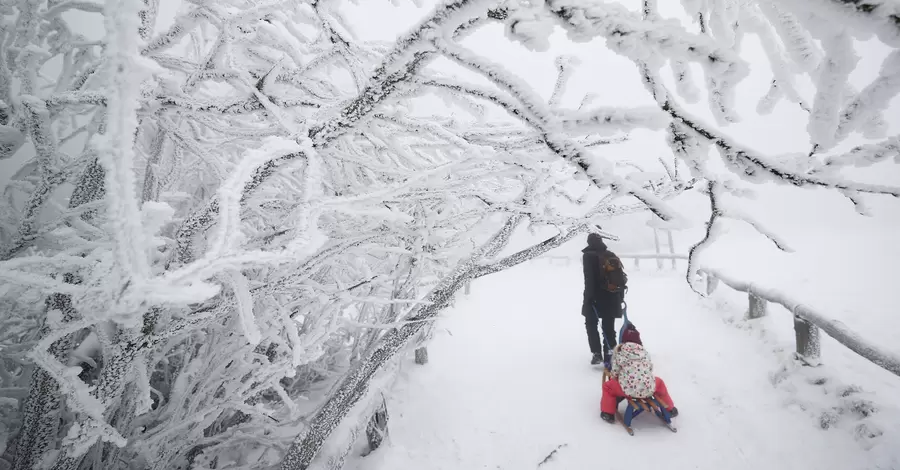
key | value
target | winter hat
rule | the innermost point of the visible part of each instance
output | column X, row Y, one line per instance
column 595, row 241
column 631, row 335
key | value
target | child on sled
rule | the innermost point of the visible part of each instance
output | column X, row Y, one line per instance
column 631, row 375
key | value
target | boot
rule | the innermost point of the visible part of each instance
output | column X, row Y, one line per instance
column 596, row 359
column 609, row 418
column 673, row 412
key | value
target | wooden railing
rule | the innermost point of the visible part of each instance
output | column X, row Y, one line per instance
column 807, row 323
column 659, row 257
column 637, row 257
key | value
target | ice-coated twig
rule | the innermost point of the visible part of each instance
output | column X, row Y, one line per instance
column 541, row 118
column 712, row 232
column 746, row 163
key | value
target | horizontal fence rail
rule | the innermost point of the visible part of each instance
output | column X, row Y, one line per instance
column 659, row 257
column 637, row 257
column 568, row 260
column 807, row 323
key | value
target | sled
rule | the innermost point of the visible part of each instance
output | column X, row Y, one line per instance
column 636, row 406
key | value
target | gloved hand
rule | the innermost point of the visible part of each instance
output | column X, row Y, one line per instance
column 606, row 363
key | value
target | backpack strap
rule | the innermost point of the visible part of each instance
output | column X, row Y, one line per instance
column 602, row 259
column 601, row 265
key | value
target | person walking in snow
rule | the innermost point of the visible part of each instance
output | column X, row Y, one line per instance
column 604, row 292
column 631, row 375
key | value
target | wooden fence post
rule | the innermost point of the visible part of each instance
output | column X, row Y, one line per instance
column 757, row 306
column 637, row 264
column 376, row 429
column 422, row 355
column 659, row 261
column 672, row 249
column 808, row 346
column 468, row 288
column 808, row 325
column 421, row 352
column 711, row 283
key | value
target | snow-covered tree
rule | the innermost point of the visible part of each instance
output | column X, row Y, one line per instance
column 219, row 233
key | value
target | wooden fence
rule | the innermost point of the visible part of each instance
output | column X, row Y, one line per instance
column 568, row 260
column 807, row 323
column 637, row 257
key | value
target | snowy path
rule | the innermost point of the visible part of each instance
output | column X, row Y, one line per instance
column 511, row 382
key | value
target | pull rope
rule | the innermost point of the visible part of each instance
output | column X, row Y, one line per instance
column 625, row 321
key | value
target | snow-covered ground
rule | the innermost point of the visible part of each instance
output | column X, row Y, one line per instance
column 509, row 382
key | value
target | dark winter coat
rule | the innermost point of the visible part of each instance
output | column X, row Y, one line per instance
column 606, row 302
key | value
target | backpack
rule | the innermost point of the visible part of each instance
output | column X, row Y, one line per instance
column 614, row 277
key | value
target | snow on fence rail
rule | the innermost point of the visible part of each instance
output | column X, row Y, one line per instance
column 807, row 323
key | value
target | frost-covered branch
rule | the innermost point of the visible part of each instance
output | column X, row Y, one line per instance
column 221, row 231
column 747, row 163
column 541, row 118
column 399, row 65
